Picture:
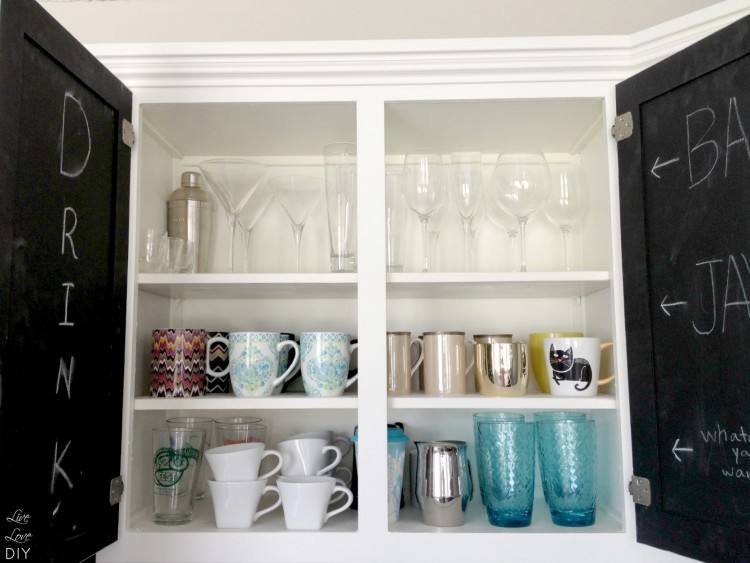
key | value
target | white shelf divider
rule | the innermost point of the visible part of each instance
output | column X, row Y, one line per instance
column 477, row 402
column 474, row 285
column 217, row 402
column 250, row 286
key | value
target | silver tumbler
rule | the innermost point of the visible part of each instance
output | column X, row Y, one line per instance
column 189, row 217
column 501, row 366
column 440, row 486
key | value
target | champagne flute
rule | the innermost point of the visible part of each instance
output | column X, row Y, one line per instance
column 466, row 174
column 567, row 201
column 298, row 195
column 521, row 184
column 425, row 192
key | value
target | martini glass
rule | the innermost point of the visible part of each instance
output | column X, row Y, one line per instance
column 298, row 195
column 233, row 181
column 521, row 184
column 256, row 205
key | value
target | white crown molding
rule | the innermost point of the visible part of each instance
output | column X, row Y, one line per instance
column 406, row 62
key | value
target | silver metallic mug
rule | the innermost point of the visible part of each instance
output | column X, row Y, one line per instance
column 501, row 366
column 440, row 486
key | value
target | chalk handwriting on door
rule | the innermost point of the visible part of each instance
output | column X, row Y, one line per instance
column 75, row 127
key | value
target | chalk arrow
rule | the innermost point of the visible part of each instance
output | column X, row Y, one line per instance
column 665, row 306
column 675, row 449
column 658, row 165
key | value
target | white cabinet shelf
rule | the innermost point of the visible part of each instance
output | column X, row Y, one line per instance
column 496, row 284
column 481, row 402
column 410, row 521
column 250, row 286
column 203, row 522
column 288, row 401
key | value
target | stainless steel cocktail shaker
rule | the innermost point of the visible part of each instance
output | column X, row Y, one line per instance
column 189, row 217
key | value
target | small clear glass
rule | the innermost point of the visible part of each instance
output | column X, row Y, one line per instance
column 176, row 464
column 239, row 430
column 341, row 201
column 506, row 455
column 395, row 218
column 567, row 453
column 154, row 252
column 199, row 423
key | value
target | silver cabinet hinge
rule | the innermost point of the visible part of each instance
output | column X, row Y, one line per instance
column 640, row 489
column 116, row 487
column 622, row 128
column 128, row 133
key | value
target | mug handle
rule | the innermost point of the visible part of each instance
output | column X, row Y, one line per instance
column 471, row 363
column 295, row 362
column 274, row 506
column 419, row 361
column 354, row 377
column 337, row 496
column 209, row 371
column 346, row 505
column 334, row 463
column 611, row 377
column 347, row 444
column 275, row 469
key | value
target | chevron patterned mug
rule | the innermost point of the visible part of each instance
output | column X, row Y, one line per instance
column 178, row 362
column 217, row 363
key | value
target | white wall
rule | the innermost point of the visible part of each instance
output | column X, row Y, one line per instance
column 281, row 20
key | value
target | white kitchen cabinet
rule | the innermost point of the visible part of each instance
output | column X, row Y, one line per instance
column 279, row 103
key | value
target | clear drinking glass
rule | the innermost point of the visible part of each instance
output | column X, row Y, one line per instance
column 233, row 181
column 239, row 430
column 395, row 218
column 568, row 200
column 341, row 201
column 466, row 176
column 505, row 456
column 521, row 185
column 253, row 210
column 424, row 189
column 554, row 415
column 176, row 463
column 180, row 255
column 298, row 195
column 196, row 423
column 154, row 253
column 567, row 453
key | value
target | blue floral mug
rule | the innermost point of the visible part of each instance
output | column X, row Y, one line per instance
column 254, row 362
column 325, row 363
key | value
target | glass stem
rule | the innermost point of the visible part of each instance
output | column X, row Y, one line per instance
column 565, row 231
column 513, row 238
column 425, row 243
column 297, row 230
column 232, row 228
column 246, row 236
column 467, row 244
column 522, row 229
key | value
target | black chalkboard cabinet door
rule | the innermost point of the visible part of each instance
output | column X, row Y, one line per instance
column 63, row 263
column 685, row 220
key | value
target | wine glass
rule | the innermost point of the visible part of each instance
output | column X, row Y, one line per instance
column 436, row 224
column 567, row 201
column 521, row 184
column 256, row 205
column 466, row 175
column 425, row 192
column 232, row 181
column 506, row 223
column 298, row 194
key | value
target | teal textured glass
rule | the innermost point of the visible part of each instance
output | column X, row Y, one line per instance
column 567, row 453
column 505, row 463
column 554, row 415
column 490, row 417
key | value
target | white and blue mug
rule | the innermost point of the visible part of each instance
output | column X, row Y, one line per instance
column 254, row 362
column 325, row 363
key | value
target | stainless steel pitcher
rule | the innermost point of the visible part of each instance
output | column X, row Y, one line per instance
column 441, row 483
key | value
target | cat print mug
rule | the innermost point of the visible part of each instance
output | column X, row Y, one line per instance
column 573, row 366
